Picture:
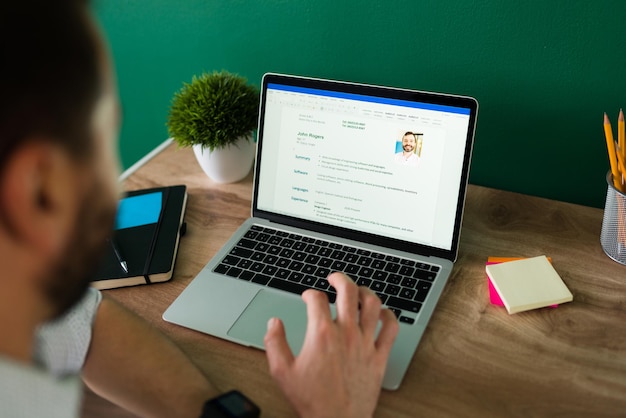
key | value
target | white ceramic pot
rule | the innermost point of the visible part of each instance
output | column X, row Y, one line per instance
column 229, row 164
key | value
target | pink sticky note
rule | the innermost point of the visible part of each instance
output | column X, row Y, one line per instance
column 494, row 296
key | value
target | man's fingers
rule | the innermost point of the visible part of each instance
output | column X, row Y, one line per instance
column 388, row 332
column 279, row 355
column 347, row 302
column 370, row 312
column 317, row 308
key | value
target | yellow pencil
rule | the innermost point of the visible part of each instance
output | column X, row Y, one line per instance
column 610, row 145
column 621, row 140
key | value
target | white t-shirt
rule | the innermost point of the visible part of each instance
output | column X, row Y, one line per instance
column 51, row 387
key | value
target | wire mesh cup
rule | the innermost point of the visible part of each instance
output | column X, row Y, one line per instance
column 613, row 235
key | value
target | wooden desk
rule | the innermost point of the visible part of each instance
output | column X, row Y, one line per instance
column 474, row 359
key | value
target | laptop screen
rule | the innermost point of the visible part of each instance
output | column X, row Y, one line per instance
column 376, row 161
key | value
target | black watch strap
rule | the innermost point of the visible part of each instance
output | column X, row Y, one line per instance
column 233, row 404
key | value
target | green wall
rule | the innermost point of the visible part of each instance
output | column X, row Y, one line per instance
column 543, row 71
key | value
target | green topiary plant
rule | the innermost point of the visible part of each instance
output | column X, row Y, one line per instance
column 214, row 111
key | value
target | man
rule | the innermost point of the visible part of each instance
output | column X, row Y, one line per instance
column 58, row 193
column 408, row 154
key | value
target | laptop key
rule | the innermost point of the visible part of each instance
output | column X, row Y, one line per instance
column 287, row 243
column 394, row 279
column 251, row 234
column 351, row 258
column 283, row 273
column 407, row 305
column 322, row 272
column 241, row 252
column 273, row 249
column 263, row 237
column 392, row 289
column 296, row 265
column 246, row 275
column 422, row 290
column 299, row 256
column 377, row 286
column 309, row 269
column 257, row 267
column 351, row 269
column 270, row 270
column 312, row 259
column 261, row 278
column 244, row 264
column 312, row 249
column 295, row 276
column 409, row 282
column 325, row 262
column 257, row 256
column 246, row 243
column 322, row 284
column 363, row 281
column 364, row 261
column 406, row 270
column 234, row 272
column 378, row 264
column 309, row 280
column 274, row 240
column 338, row 266
column 407, row 293
column 397, row 312
column 425, row 275
column 392, row 267
column 221, row 268
column 299, row 245
column 283, row 262
column 287, row 252
column 231, row 260
column 406, row 320
column 291, row 287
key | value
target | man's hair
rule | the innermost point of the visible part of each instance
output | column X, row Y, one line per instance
column 49, row 76
column 408, row 133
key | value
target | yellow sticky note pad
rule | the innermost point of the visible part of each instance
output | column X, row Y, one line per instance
column 528, row 284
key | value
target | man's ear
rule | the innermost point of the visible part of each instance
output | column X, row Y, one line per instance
column 39, row 197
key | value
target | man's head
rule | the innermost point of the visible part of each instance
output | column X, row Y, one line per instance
column 408, row 142
column 58, row 127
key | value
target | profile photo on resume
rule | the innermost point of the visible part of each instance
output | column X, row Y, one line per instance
column 409, row 149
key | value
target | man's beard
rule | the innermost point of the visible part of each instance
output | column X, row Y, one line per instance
column 69, row 278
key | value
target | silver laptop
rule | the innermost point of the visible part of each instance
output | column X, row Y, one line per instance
column 363, row 179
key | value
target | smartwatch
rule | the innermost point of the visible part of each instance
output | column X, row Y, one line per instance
column 231, row 404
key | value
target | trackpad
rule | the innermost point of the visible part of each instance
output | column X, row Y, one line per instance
column 252, row 324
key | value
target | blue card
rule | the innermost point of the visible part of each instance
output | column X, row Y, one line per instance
column 139, row 210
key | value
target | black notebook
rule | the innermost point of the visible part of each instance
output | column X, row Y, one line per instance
column 148, row 228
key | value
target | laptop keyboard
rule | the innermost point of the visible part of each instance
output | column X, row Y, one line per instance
column 295, row 263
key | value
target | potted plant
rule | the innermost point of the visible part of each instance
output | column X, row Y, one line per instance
column 216, row 115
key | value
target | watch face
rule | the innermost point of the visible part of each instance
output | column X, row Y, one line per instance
column 237, row 404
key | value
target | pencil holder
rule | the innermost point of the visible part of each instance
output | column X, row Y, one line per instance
column 613, row 235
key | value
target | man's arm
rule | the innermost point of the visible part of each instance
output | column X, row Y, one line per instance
column 135, row 366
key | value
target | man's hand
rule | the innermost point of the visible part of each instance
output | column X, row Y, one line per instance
column 340, row 368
